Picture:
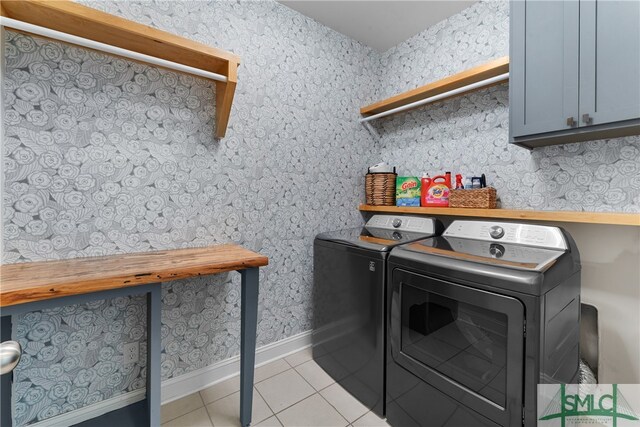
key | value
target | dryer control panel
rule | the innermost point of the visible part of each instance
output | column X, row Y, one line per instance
column 415, row 224
column 506, row 232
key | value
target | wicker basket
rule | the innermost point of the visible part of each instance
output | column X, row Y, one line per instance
column 380, row 189
column 481, row 198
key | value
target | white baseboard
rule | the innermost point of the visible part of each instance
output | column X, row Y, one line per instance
column 91, row 411
column 184, row 385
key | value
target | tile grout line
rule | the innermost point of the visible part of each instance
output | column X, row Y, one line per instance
column 362, row 416
column 286, row 361
column 265, row 402
column 253, row 422
column 314, row 389
column 311, row 395
column 336, row 409
column 209, row 415
column 237, row 376
column 308, row 397
column 279, row 420
column 325, row 399
column 171, row 419
column 295, row 403
column 305, row 398
column 273, row 413
column 294, row 366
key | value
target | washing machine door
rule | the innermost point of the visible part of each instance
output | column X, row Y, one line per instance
column 464, row 342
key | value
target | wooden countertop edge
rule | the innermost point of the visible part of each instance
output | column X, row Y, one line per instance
column 82, row 276
column 603, row 218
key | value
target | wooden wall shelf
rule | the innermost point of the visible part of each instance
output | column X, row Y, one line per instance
column 69, row 17
column 529, row 215
column 473, row 75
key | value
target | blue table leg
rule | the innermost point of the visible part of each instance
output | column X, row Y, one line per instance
column 248, row 323
column 153, row 354
column 5, row 385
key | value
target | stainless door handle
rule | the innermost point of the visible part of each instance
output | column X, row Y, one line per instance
column 571, row 122
column 587, row 119
column 10, row 353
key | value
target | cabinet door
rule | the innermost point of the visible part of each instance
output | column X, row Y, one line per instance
column 543, row 66
column 609, row 61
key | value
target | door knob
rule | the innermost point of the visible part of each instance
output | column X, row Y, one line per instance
column 571, row 122
column 10, row 353
column 587, row 119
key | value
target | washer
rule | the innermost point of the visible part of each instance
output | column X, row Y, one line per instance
column 477, row 318
column 349, row 301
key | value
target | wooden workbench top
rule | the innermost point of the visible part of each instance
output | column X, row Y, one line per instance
column 34, row 281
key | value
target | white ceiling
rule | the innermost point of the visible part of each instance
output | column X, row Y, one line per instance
column 380, row 24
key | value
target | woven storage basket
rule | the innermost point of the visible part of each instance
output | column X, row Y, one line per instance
column 481, row 198
column 380, row 189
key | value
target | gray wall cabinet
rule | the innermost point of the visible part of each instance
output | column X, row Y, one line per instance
column 574, row 71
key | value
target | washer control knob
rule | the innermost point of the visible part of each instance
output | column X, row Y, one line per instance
column 397, row 222
column 496, row 232
column 496, row 250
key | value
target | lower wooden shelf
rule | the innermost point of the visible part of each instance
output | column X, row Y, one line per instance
column 531, row 215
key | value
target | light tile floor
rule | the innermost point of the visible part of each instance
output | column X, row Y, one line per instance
column 292, row 391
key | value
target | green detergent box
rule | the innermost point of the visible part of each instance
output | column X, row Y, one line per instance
column 407, row 191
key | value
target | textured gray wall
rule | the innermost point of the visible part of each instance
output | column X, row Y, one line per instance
column 469, row 134
column 106, row 156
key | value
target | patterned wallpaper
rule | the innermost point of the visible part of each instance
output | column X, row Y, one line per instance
column 469, row 134
column 103, row 156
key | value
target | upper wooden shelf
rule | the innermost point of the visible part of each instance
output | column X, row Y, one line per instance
column 72, row 18
column 34, row 281
column 483, row 72
column 554, row 216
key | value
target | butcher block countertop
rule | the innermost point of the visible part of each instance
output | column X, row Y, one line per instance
column 33, row 281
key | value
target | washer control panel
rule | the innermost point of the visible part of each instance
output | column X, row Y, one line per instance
column 414, row 224
column 521, row 234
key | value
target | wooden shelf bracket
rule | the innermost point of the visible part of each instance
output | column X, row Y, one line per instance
column 224, row 98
